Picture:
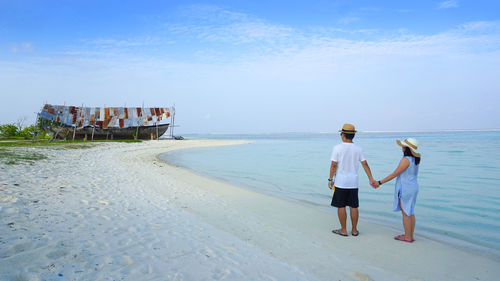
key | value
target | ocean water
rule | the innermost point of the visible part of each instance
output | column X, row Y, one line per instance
column 459, row 177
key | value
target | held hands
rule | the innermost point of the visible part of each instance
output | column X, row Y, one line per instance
column 374, row 183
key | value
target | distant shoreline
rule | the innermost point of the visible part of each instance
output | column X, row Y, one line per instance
column 207, row 135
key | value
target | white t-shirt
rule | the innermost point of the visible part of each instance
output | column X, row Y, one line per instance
column 347, row 156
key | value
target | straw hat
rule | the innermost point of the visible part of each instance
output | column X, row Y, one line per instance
column 411, row 143
column 348, row 129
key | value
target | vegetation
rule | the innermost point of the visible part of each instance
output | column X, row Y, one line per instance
column 16, row 152
column 60, row 143
column 8, row 130
column 17, row 131
column 15, row 138
column 11, row 131
column 10, row 157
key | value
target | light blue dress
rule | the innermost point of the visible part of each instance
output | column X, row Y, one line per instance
column 407, row 188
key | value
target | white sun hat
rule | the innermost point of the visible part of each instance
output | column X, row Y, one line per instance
column 410, row 143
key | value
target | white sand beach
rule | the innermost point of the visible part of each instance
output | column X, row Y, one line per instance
column 117, row 212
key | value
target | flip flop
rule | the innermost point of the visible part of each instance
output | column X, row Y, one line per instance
column 355, row 234
column 402, row 239
column 337, row 231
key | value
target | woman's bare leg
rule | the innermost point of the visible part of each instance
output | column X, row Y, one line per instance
column 413, row 221
column 407, row 224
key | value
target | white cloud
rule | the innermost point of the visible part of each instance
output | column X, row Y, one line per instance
column 24, row 47
column 448, row 4
column 218, row 25
column 120, row 43
column 216, row 35
column 348, row 20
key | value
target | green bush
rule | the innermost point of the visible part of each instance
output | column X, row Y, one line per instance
column 27, row 132
column 11, row 131
column 8, row 130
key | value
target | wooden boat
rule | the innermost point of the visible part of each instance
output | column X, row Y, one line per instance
column 91, row 123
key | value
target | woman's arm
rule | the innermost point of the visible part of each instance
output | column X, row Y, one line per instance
column 403, row 165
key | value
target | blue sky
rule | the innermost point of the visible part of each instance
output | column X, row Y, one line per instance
column 259, row 66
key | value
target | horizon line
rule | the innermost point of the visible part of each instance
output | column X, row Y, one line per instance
column 368, row 131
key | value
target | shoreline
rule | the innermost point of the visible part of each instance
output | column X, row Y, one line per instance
column 117, row 210
column 429, row 233
column 428, row 239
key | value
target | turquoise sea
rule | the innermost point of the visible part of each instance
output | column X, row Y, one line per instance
column 459, row 177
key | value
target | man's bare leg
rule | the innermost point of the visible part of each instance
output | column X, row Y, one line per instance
column 354, row 219
column 342, row 219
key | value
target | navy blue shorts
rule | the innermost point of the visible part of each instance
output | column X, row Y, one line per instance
column 343, row 197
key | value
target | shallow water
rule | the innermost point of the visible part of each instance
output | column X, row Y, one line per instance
column 459, row 176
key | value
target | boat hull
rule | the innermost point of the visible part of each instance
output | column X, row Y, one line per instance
column 89, row 133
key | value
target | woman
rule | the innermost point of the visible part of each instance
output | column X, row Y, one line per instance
column 406, row 190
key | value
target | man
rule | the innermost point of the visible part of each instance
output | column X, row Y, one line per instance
column 346, row 157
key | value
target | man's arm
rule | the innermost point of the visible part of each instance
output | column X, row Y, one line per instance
column 367, row 171
column 333, row 169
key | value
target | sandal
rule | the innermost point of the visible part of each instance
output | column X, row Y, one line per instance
column 403, row 239
column 337, row 231
column 355, row 233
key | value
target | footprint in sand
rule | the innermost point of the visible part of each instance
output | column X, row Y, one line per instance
column 11, row 210
column 22, row 247
column 8, row 198
column 107, row 260
column 77, row 215
column 127, row 260
column 362, row 277
column 57, row 254
column 209, row 253
column 103, row 202
column 157, row 226
column 221, row 274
